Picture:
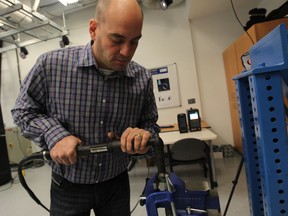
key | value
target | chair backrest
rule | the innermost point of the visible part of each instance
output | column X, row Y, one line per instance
column 189, row 149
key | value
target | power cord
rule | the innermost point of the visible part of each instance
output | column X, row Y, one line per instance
column 12, row 182
column 234, row 11
column 135, row 206
column 143, row 192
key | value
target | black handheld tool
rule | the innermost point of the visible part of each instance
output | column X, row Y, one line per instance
column 84, row 150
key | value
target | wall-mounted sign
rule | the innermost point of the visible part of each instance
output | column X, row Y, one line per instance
column 166, row 88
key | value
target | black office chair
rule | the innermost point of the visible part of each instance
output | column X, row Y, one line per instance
column 191, row 151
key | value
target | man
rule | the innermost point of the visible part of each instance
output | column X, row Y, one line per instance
column 90, row 95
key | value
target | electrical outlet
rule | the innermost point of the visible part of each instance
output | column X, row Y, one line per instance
column 191, row 101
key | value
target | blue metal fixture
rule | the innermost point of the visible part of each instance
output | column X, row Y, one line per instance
column 262, row 95
column 184, row 202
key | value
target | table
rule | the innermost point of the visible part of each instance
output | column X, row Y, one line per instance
column 205, row 134
column 174, row 127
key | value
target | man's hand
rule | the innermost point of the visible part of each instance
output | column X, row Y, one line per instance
column 134, row 140
column 64, row 152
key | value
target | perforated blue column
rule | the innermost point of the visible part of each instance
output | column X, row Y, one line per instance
column 261, row 94
column 250, row 151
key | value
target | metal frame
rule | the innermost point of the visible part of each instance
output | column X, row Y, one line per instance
column 261, row 98
column 46, row 29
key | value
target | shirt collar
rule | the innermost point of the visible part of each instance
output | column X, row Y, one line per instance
column 86, row 59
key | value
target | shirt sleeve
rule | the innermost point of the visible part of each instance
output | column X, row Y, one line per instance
column 149, row 113
column 30, row 111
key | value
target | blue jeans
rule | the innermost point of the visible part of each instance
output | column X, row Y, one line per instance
column 110, row 198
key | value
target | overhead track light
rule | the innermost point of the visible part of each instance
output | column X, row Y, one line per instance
column 23, row 52
column 66, row 2
column 164, row 4
column 65, row 41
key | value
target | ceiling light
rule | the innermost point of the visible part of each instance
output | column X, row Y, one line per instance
column 23, row 52
column 66, row 2
column 65, row 41
column 164, row 4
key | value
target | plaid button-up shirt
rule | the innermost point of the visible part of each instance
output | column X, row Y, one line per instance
column 66, row 94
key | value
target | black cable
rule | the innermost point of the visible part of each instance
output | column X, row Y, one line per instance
column 141, row 201
column 37, row 155
column 10, row 185
column 234, row 11
column 135, row 206
column 235, row 181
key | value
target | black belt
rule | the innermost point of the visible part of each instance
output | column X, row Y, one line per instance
column 60, row 180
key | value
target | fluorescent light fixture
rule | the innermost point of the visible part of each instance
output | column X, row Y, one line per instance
column 66, row 2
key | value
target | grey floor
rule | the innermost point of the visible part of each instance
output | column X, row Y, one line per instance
column 15, row 201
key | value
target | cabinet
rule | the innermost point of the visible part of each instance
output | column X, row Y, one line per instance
column 17, row 145
column 233, row 66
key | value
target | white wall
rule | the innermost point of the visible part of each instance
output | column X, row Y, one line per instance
column 167, row 39
column 211, row 36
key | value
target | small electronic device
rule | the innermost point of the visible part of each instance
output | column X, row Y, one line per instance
column 182, row 123
column 194, row 120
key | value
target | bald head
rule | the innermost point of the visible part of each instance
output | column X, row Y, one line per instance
column 116, row 8
column 115, row 32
